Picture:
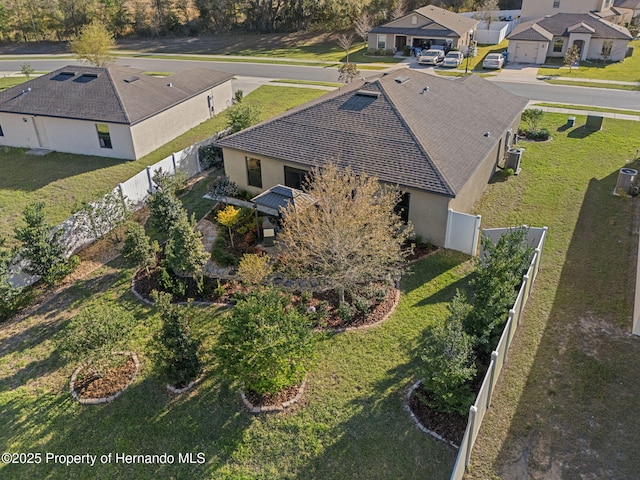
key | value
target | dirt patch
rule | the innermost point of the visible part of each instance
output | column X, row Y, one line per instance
column 89, row 385
column 451, row 427
column 272, row 399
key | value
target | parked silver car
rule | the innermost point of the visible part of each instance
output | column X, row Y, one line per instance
column 493, row 60
column 431, row 57
column 453, row 59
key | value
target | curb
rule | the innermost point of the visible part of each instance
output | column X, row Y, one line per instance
column 109, row 399
column 274, row 408
column 407, row 407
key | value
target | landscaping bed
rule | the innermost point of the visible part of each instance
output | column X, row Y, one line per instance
column 87, row 384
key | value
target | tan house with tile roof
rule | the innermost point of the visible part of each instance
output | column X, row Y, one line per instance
column 427, row 25
column 438, row 139
column 606, row 9
column 111, row 111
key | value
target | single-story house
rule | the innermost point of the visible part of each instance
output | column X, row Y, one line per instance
column 424, row 27
column 630, row 9
column 605, row 9
column 110, row 111
column 439, row 140
column 551, row 36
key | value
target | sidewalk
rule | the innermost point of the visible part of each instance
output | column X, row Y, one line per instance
column 569, row 111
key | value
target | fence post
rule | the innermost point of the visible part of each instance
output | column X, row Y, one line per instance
column 476, row 235
column 122, row 197
column 472, row 427
column 447, row 235
column 524, row 295
column 492, row 365
column 512, row 315
column 197, row 145
column 149, row 179
column 173, row 161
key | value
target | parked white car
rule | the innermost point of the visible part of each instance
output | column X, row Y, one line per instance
column 453, row 59
column 493, row 60
column 431, row 57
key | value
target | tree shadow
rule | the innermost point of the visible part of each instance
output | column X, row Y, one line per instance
column 47, row 169
column 573, row 416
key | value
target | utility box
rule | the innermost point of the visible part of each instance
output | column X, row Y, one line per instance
column 268, row 233
column 514, row 155
column 594, row 123
column 626, row 179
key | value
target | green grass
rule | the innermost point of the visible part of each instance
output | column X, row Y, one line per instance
column 475, row 63
column 8, row 82
column 61, row 179
column 627, row 70
column 309, row 82
column 576, row 83
column 590, row 109
column 562, row 407
column 351, row 423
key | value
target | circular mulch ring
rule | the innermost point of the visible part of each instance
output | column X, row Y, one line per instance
column 93, row 390
column 277, row 402
column 177, row 389
column 377, row 316
column 446, row 428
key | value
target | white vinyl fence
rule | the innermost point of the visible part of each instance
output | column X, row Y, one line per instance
column 133, row 193
column 535, row 237
column 463, row 231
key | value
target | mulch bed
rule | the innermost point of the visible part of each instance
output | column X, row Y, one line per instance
column 450, row 427
column 272, row 399
column 114, row 380
column 421, row 250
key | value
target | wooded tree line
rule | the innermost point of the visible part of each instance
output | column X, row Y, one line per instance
column 36, row 20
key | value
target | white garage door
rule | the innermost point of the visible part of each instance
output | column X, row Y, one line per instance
column 526, row 52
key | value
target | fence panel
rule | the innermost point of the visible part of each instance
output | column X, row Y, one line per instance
column 137, row 188
column 462, row 233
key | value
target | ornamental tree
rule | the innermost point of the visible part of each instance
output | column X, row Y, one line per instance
column 229, row 217
column 138, row 248
column 266, row 343
column 185, row 253
column 349, row 236
column 94, row 44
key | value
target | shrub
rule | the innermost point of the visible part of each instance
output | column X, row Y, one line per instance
column 242, row 115
column 41, row 245
column 170, row 182
column 346, row 311
column 382, row 52
column 362, row 304
column 542, row 134
column 265, row 343
column 95, row 334
column 138, row 249
column 532, row 118
column 210, row 156
column 221, row 255
column 11, row 298
column 177, row 347
column 185, row 253
column 165, row 210
column 448, row 363
column 223, row 187
column 254, row 268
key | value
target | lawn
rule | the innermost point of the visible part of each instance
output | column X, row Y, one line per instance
column 628, row 70
column 577, row 83
column 61, row 179
column 588, row 108
column 351, row 423
column 563, row 407
column 8, row 82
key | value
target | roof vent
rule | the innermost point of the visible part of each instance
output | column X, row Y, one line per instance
column 487, row 134
column 131, row 79
column 424, row 90
column 169, row 84
column 402, row 79
column 86, row 77
column 368, row 93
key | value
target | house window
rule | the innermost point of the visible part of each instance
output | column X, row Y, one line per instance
column 294, row 177
column 382, row 42
column 103, row 135
column 607, row 45
column 402, row 207
column 1, row 132
column 558, row 45
column 254, row 172
column 556, row 4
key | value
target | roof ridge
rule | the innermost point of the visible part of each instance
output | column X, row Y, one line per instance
column 422, row 148
column 117, row 95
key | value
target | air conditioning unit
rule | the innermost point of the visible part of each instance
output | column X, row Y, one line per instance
column 514, row 155
column 626, row 178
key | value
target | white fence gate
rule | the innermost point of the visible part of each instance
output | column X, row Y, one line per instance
column 463, row 231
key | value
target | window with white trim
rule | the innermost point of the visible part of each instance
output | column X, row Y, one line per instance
column 382, row 41
column 607, row 45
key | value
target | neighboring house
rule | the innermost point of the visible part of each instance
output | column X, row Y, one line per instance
column 438, row 139
column 424, row 27
column 532, row 9
column 112, row 111
column 628, row 8
column 597, row 39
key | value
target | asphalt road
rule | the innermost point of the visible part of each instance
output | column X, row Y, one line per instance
column 533, row 91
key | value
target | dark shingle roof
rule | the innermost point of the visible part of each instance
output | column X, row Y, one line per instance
column 562, row 24
column 106, row 94
column 530, row 31
column 633, row 4
column 439, row 23
column 432, row 141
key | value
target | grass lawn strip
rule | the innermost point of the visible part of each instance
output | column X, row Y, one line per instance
column 586, row 108
column 561, row 407
column 576, row 83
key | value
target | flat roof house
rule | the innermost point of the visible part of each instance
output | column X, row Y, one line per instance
column 438, row 139
column 110, row 111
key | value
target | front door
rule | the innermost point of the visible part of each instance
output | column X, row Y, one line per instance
column 580, row 45
column 401, row 41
